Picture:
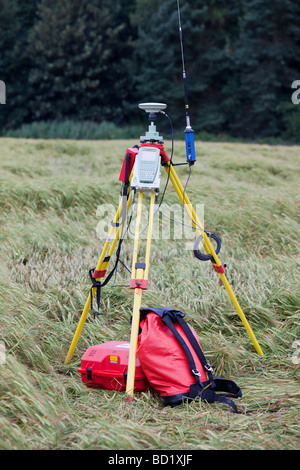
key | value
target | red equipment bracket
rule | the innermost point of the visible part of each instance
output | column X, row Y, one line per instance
column 163, row 153
column 219, row 269
column 98, row 274
column 139, row 283
column 133, row 151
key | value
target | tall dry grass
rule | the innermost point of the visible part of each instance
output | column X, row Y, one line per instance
column 49, row 193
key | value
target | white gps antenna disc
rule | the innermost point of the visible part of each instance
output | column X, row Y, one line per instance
column 152, row 107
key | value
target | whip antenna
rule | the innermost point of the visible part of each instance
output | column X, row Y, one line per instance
column 189, row 133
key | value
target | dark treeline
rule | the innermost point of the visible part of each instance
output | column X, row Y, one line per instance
column 95, row 60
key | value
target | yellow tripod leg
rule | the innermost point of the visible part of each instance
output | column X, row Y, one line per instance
column 149, row 236
column 137, row 303
column 140, row 274
column 100, row 264
column 210, row 250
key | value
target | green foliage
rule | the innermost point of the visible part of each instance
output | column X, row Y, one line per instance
column 67, row 129
column 267, row 60
column 16, row 21
column 291, row 119
column 94, row 61
column 78, row 51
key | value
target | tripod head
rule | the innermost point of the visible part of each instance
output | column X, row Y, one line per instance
column 152, row 135
column 152, row 108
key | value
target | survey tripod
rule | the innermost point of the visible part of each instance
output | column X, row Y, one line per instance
column 140, row 176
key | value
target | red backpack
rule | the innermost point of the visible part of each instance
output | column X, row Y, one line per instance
column 173, row 362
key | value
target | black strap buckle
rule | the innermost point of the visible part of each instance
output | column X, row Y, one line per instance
column 95, row 284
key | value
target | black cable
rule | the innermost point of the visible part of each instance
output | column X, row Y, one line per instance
column 171, row 158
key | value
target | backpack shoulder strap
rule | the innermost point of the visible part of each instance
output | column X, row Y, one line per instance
column 197, row 387
column 197, row 349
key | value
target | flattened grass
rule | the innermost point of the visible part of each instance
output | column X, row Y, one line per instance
column 49, row 193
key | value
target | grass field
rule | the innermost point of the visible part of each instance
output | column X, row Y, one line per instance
column 49, row 194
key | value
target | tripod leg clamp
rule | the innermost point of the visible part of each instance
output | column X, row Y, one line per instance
column 139, row 283
column 101, row 273
column 219, row 269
